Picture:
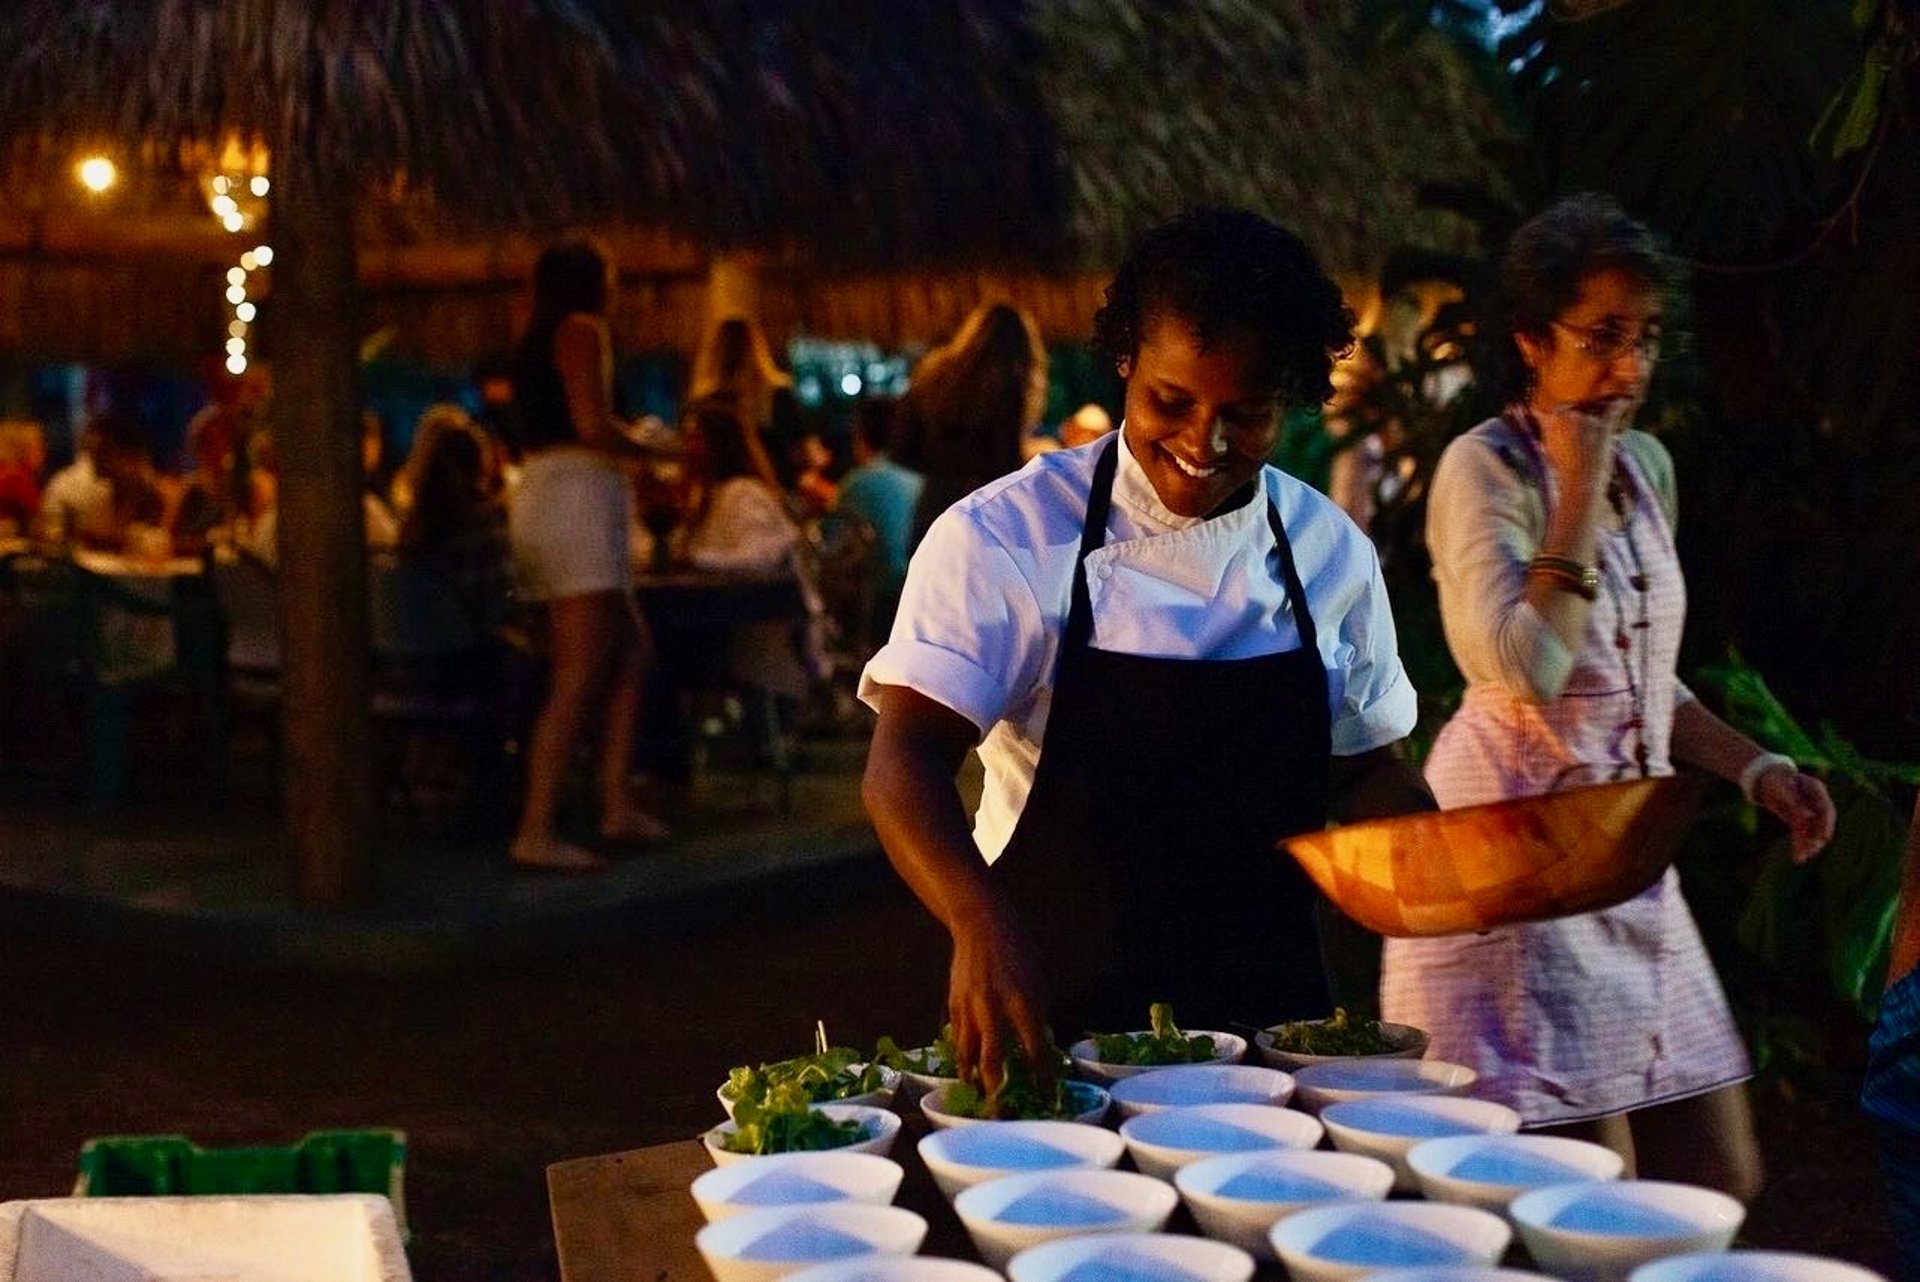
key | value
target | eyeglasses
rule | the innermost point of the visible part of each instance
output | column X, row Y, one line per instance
column 1610, row 342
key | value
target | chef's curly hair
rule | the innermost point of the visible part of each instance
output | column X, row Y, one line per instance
column 1233, row 276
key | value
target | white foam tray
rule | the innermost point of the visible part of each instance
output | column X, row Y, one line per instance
column 343, row 1237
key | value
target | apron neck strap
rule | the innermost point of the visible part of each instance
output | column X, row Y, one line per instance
column 1093, row 534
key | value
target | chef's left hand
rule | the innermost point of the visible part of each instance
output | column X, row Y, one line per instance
column 1799, row 801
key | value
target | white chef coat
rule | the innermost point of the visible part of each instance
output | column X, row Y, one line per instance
column 986, row 599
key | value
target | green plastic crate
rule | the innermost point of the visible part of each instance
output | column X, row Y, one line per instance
column 369, row 1161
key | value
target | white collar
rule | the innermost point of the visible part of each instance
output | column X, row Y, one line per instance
column 1134, row 491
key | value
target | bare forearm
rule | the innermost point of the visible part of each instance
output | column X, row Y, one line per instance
column 1377, row 785
column 1704, row 740
column 922, row 825
column 1572, row 534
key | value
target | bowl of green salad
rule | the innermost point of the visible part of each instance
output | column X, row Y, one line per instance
column 1019, row 1099
column 835, row 1075
column 1305, row 1042
column 787, row 1124
column 923, row 1069
column 1109, row 1057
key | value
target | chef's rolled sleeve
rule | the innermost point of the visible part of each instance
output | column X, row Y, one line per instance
column 1388, row 717
column 968, row 633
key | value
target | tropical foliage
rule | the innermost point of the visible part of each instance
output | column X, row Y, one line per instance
column 1777, row 144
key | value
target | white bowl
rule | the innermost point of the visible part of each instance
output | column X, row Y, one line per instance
column 1163, row 1142
column 1489, row 1171
column 1237, row 1197
column 1352, row 1239
column 934, row 1105
column 882, row 1128
column 1185, row 1085
column 1010, row 1214
column 962, row 1156
column 1458, row 1273
column 796, row 1179
column 1227, row 1049
column 1601, row 1232
column 889, row 1083
column 1408, row 1043
column 914, row 1084
column 895, row 1268
column 1345, row 1079
column 763, row 1245
column 1388, row 1126
column 1751, row 1266
column 1135, row 1257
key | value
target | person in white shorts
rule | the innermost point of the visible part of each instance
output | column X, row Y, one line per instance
column 568, row 526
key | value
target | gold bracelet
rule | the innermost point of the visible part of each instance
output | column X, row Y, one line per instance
column 1581, row 580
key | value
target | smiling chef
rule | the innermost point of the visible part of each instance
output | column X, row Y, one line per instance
column 1168, row 655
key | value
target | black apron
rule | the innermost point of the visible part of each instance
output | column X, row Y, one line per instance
column 1143, row 863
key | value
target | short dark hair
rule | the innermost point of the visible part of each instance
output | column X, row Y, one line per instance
column 1233, row 276
column 873, row 422
column 569, row 277
column 1553, row 253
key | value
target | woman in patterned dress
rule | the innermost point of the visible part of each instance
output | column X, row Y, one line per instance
column 1551, row 529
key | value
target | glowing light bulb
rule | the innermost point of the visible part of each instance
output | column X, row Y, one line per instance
column 97, row 173
column 236, row 275
column 220, row 184
column 236, row 294
column 233, row 221
column 236, row 346
column 258, row 186
column 236, row 364
column 264, row 255
column 248, row 261
column 246, row 312
column 237, row 328
column 850, row 385
column 224, row 205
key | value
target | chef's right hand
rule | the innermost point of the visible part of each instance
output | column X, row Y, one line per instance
column 996, row 1001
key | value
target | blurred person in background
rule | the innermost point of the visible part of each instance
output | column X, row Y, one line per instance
column 736, row 364
column 741, row 525
column 454, row 523
column 1084, row 426
column 110, row 487
column 1891, row 1093
column 969, row 407
column 883, row 494
column 23, row 457
column 568, row 524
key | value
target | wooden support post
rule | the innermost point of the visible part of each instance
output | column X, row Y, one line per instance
column 313, row 321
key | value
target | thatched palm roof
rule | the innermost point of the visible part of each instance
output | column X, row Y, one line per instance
column 1288, row 107
column 861, row 126
column 853, row 134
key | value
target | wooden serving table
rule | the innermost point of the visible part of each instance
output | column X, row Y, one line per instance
column 628, row 1217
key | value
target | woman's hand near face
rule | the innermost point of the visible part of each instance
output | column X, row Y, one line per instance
column 1799, row 801
column 1579, row 442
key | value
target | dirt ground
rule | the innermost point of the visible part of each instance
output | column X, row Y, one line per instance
column 494, row 1073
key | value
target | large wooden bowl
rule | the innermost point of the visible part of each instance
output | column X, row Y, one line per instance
column 1478, row 867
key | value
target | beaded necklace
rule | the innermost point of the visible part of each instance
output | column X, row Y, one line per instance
column 1617, row 498
column 1636, row 721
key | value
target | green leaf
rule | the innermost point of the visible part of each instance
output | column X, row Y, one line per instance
column 1863, row 113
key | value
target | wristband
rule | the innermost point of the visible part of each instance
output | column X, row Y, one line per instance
column 1750, row 777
